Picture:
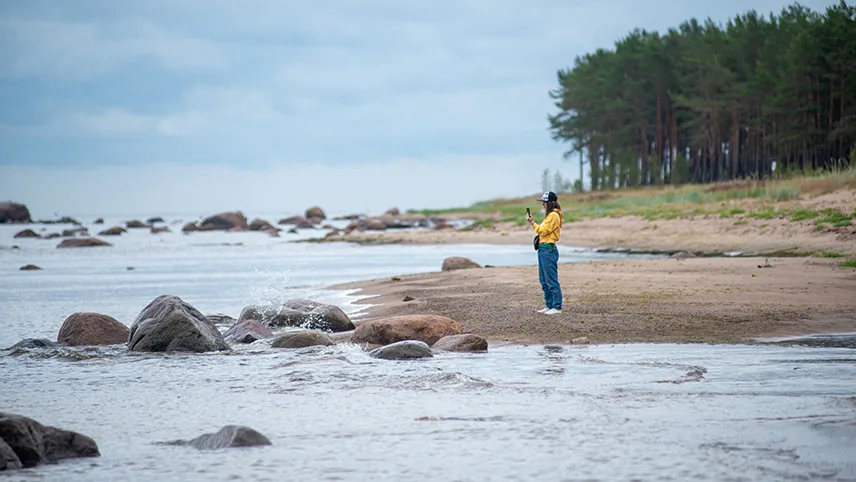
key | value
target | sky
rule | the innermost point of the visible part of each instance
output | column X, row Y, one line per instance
column 202, row 106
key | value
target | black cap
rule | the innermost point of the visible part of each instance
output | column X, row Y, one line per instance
column 549, row 196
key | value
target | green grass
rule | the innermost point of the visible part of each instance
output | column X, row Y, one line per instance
column 768, row 213
column 828, row 254
column 848, row 264
column 484, row 223
column 803, row 214
column 742, row 222
column 655, row 203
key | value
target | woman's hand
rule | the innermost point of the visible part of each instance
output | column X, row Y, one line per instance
column 529, row 219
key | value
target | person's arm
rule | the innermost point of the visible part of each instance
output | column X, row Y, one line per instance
column 550, row 224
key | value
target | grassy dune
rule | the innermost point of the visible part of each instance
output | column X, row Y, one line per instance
column 738, row 199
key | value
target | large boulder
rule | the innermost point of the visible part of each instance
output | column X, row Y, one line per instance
column 92, row 329
column 403, row 350
column 224, row 221
column 302, row 339
column 315, row 212
column 34, row 443
column 424, row 328
column 169, row 324
column 27, row 233
column 455, row 263
column 247, row 331
column 303, row 313
column 14, row 213
column 82, row 243
column 465, row 343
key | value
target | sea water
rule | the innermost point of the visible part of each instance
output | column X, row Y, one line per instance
column 606, row 412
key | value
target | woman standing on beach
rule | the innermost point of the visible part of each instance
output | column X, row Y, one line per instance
column 548, row 253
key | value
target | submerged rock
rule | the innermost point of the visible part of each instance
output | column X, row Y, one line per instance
column 169, row 324
column 402, row 350
column 426, row 328
column 29, row 267
column 92, row 329
column 34, row 443
column 462, row 343
column 114, row 231
column 82, row 243
column 303, row 313
column 227, row 437
column 302, row 339
column 31, row 343
column 27, row 233
column 247, row 331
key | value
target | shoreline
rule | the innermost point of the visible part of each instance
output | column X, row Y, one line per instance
column 659, row 300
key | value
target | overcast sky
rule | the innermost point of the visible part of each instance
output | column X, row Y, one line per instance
column 195, row 106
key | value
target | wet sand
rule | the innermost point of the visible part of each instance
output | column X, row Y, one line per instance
column 651, row 300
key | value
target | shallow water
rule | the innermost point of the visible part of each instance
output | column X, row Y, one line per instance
column 611, row 412
column 664, row 412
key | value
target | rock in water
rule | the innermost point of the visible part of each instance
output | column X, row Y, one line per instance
column 8, row 458
column 82, row 243
column 425, row 328
column 303, row 313
column 14, row 213
column 403, row 350
column 466, row 343
column 302, row 339
column 92, row 329
column 455, row 263
column 224, row 221
column 29, row 267
column 27, row 233
column 228, row 437
column 247, row 331
column 315, row 212
column 35, row 444
column 33, row 343
column 169, row 324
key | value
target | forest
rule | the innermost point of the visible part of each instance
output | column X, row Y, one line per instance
column 705, row 102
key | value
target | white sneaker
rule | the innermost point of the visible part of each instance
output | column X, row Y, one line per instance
column 542, row 310
column 553, row 311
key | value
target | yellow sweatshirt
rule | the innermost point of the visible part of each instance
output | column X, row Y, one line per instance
column 551, row 228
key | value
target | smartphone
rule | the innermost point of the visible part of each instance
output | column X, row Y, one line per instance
column 527, row 212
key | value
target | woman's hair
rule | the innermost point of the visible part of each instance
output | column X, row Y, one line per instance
column 552, row 206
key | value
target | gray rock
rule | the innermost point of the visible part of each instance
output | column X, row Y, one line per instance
column 27, row 233
column 31, row 343
column 463, row 343
column 169, row 324
column 36, row 444
column 8, row 459
column 302, row 339
column 14, row 213
column 247, row 331
column 403, row 350
column 228, row 437
column 303, row 313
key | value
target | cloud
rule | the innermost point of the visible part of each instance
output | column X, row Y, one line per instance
column 204, row 87
column 280, row 190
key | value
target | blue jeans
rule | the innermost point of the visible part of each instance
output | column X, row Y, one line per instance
column 548, row 275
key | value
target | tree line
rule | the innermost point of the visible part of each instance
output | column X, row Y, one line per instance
column 706, row 102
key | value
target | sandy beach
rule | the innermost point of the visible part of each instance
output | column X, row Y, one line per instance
column 653, row 300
